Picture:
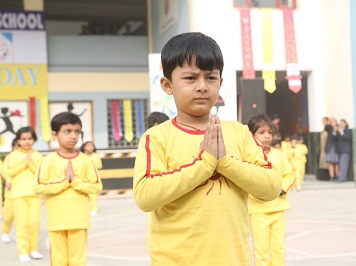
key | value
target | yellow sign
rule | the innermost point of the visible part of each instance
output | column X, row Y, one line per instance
column 21, row 81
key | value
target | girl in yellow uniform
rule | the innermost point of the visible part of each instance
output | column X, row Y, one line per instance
column 8, row 217
column 21, row 167
column 89, row 149
column 267, row 217
column 297, row 158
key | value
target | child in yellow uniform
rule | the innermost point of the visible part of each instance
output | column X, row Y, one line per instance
column 89, row 149
column 194, row 173
column 21, row 167
column 296, row 157
column 303, row 160
column 66, row 177
column 8, row 217
column 268, row 218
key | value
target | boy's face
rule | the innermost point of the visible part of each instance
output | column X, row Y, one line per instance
column 68, row 136
column 195, row 91
column 264, row 135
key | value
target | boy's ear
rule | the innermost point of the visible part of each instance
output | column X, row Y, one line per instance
column 166, row 86
column 54, row 135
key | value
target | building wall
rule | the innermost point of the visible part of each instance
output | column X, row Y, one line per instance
column 323, row 46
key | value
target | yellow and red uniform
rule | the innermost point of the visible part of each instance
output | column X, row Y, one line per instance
column 268, row 219
column 8, row 214
column 67, row 205
column 26, row 204
column 94, row 197
column 198, row 204
column 297, row 159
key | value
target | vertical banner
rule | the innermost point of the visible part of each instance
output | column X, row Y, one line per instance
column 140, row 125
column 159, row 100
column 293, row 73
column 116, row 120
column 268, row 71
column 248, row 71
column 33, row 113
column 128, row 129
column 23, row 65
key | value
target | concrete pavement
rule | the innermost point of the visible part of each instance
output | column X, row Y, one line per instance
column 321, row 230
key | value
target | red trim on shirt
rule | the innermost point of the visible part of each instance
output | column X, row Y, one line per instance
column 68, row 157
column 148, row 152
column 269, row 164
column 148, row 162
column 190, row 131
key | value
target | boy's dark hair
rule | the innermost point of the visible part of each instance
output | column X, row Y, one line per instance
column 64, row 118
column 276, row 142
column 190, row 46
column 82, row 148
column 257, row 121
column 156, row 117
column 25, row 130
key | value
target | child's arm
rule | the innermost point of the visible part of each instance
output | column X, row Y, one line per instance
column 15, row 166
column 50, row 181
column 34, row 162
column 288, row 175
column 155, row 185
column 87, row 181
column 254, row 173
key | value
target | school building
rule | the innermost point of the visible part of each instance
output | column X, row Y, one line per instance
column 100, row 59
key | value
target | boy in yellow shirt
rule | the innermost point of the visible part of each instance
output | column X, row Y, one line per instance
column 66, row 178
column 194, row 173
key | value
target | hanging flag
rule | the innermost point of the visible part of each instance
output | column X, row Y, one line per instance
column 45, row 124
column 248, row 71
column 116, row 120
column 128, row 120
column 268, row 71
column 33, row 112
column 293, row 72
column 140, row 119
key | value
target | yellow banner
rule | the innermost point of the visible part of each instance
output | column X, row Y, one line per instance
column 268, row 72
column 128, row 120
column 22, row 81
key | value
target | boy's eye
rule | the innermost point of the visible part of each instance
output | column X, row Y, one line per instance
column 189, row 78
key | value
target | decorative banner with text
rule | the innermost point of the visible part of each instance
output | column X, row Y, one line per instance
column 293, row 73
column 248, row 71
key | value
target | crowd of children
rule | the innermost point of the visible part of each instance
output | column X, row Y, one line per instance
column 64, row 180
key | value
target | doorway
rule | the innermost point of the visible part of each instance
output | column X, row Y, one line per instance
column 291, row 107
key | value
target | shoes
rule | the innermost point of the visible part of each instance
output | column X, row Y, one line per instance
column 24, row 258
column 36, row 255
column 6, row 238
column 93, row 213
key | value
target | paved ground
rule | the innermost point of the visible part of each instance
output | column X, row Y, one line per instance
column 321, row 230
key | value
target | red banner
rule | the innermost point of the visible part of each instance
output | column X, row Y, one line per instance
column 248, row 71
column 293, row 73
column 32, row 110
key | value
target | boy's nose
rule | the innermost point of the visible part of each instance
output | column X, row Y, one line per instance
column 202, row 86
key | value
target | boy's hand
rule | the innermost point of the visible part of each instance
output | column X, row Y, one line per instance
column 210, row 141
column 69, row 172
column 221, row 144
column 28, row 157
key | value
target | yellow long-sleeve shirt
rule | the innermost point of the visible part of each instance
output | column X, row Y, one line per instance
column 22, row 172
column 67, row 204
column 96, row 160
column 198, row 204
column 280, row 162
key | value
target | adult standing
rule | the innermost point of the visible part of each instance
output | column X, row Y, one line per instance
column 344, row 145
column 331, row 149
column 323, row 171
